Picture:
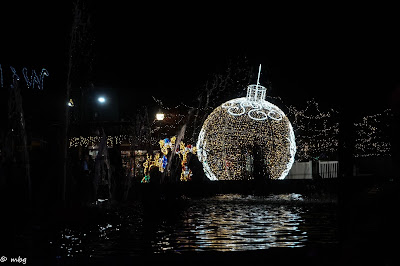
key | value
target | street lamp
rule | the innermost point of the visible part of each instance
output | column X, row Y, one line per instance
column 160, row 116
column 101, row 99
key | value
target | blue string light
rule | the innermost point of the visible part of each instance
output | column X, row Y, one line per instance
column 34, row 78
column 31, row 81
column 15, row 75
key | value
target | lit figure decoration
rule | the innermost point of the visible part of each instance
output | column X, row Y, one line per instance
column 183, row 151
column 148, row 165
column 246, row 134
column 165, row 144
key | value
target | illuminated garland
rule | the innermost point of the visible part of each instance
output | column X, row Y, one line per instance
column 316, row 134
column 230, row 141
column 93, row 141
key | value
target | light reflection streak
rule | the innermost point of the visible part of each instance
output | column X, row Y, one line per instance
column 218, row 223
column 233, row 223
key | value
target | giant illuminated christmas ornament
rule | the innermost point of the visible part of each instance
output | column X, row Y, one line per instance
column 246, row 134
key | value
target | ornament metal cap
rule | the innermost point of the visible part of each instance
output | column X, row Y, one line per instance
column 256, row 93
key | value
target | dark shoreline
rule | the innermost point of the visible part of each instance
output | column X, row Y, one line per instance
column 326, row 255
column 193, row 189
column 365, row 205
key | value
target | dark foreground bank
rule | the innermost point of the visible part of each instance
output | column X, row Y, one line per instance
column 365, row 208
column 273, row 256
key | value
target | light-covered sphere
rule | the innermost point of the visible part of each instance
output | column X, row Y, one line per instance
column 244, row 133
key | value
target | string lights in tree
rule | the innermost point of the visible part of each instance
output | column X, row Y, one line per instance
column 317, row 133
column 372, row 135
column 245, row 132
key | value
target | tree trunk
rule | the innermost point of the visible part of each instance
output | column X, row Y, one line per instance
column 17, row 137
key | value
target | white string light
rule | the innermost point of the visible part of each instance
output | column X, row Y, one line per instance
column 317, row 133
column 255, row 100
column 372, row 136
column 93, row 141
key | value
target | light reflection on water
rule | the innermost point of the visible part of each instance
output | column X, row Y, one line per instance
column 235, row 222
column 230, row 222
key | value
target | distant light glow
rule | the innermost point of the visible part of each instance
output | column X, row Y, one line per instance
column 101, row 99
column 160, row 116
column 70, row 103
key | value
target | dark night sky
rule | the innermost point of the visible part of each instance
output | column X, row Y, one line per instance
column 338, row 57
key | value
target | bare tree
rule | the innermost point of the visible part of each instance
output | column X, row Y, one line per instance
column 16, row 150
column 80, row 58
column 219, row 88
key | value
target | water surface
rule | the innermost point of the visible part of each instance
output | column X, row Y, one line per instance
column 230, row 222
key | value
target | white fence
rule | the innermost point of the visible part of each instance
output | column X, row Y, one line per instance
column 328, row 169
column 300, row 170
column 304, row 170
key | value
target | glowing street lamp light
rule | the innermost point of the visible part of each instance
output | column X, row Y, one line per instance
column 101, row 99
column 160, row 116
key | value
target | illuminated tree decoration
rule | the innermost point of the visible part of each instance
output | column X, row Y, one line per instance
column 373, row 135
column 244, row 133
column 317, row 133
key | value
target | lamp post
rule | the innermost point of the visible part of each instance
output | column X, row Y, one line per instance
column 102, row 101
column 159, row 117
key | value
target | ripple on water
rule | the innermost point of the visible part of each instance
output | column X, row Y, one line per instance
column 230, row 222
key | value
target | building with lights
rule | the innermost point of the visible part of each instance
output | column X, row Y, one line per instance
column 228, row 142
